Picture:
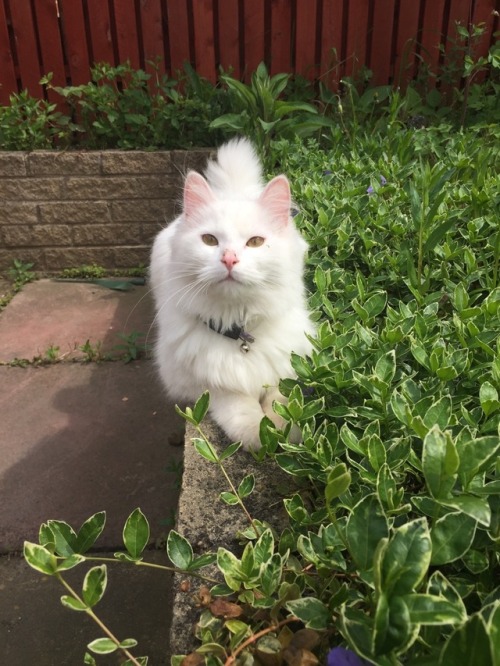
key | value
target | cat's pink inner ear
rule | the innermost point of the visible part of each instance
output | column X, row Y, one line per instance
column 276, row 198
column 197, row 194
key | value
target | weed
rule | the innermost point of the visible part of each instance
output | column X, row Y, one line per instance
column 20, row 274
column 92, row 352
column 132, row 348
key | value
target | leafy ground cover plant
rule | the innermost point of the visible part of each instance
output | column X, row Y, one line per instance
column 391, row 553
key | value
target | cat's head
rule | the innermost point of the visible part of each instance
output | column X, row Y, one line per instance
column 237, row 245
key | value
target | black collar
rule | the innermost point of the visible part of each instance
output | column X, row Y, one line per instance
column 236, row 332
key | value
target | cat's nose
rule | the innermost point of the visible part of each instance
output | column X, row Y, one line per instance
column 229, row 259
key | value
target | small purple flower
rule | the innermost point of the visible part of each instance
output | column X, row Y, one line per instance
column 383, row 181
column 340, row 656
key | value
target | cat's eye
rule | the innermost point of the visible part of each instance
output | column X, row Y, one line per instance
column 209, row 239
column 255, row 241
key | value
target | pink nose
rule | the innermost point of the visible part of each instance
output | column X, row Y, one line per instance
column 229, row 259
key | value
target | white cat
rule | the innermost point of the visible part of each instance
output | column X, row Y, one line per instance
column 227, row 281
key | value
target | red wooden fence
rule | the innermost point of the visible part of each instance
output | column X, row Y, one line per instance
column 316, row 38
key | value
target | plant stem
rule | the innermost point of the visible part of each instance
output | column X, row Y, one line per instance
column 151, row 565
column 101, row 624
column 231, row 485
column 255, row 637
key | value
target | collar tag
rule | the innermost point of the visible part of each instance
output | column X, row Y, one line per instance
column 236, row 332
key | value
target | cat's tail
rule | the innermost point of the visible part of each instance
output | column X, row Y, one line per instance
column 237, row 170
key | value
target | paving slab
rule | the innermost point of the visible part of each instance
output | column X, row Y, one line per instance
column 47, row 314
column 35, row 629
column 77, row 438
column 81, row 438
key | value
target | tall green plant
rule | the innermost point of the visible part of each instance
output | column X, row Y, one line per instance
column 262, row 114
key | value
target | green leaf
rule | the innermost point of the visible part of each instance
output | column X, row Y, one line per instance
column 89, row 532
column 229, row 451
column 312, row 612
column 201, row 407
column 73, row 604
column 451, row 537
column 246, row 486
column 488, row 397
column 475, row 456
column 103, row 646
column 406, row 558
column 179, row 550
column 439, row 413
column 94, row 585
column 65, row 538
column 337, row 483
column 385, row 368
column 136, row 533
column 432, row 610
column 202, row 561
column 229, row 498
column 264, row 547
column 366, row 526
column 230, row 567
column 205, row 449
column 440, row 462
column 469, row 644
column 39, row 558
column 475, row 507
column 70, row 562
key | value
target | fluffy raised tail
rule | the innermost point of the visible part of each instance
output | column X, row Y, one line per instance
column 237, row 170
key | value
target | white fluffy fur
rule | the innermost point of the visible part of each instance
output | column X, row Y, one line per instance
column 264, row 292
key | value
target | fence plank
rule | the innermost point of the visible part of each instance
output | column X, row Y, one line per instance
column 281, row 19
column 204, row 39
column 254, row 26
column 432, row 36
column 48, row 28
column 100, row 32
column 357, row 32
column 305, row 39
column 406, row 43
column 8, row 81
column 126, row 32
column 380, row 59
column 229, row 37
column 154, row 39
column 30, row 71
column 75, row 41
column 332, row 65
column 178, row 30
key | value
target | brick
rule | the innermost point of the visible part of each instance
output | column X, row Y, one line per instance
column 30, row 189
column 12, row 164
column 150, row 210
column 56, row 259
column 131, row 257
column 136, row 162
column 37, row 235
column 81, row 212
column 115, row 187
column 107, row 234
column 55, row 163
column 13, row 212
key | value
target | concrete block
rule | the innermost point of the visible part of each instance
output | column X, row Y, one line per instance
column 54, row 163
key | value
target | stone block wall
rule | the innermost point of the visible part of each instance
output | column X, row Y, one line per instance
column 67, row 209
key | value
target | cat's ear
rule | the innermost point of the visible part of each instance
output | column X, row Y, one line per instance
column 276, row 198
column 197, row 194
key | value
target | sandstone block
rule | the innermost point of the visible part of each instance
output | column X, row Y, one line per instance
column 81, row 212
column 55, row 163
column 136, row 162
column 12, row 164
